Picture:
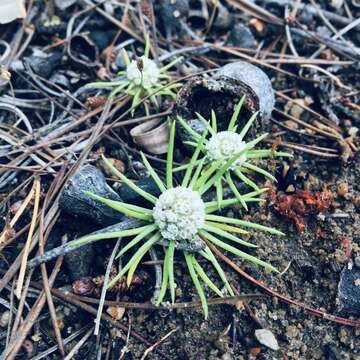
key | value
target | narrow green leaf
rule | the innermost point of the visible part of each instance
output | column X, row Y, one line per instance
column 246, row 128
column 248, row 197
column 227, row 235
column 263, row 153
column 119, row 88
column 259, row 170
column 118, row 206
column 170, row 156
column 236, row 251
column 128, row 182
column 219, row 192
column 165, row 279
column 206, row 123
column 207, row 254
column 188, row 258
column 171, row 250
column 197, row 172
column 107, row 235
column 213, row 121
column 135, row 260
column 235, row 190
column 136, row 100
column 244, row 223
column 105, row 84
column 139, row 209
column 192, row 132
column 235, row 114
column 139, row 253
column 246, row 180
column 228, row 228
column 206, row 174
column 147, row 230
column 205, row 278
column 170, row 65
column 194, row 160
column 147, row 46
column 125, row 57
column 153, row 173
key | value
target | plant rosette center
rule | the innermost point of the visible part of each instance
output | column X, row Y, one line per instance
column 179, row 213
column 224, row 145
column 147, row 77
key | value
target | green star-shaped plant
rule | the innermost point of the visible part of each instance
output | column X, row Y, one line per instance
column 224, row 145
column 142, row 77
column 180, row 219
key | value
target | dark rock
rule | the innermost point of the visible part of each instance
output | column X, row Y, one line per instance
column 241, row 36
column 331, row 352
column 79, row 262
column 349, row 290
column 171, row 11
column 224, row 19
column 74, row 201
column 44, row 64
column 101, row 38
column 132, row 197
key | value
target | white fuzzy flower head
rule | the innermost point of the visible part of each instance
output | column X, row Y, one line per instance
column 148, row 77
column 179, row 213
column 224, row 145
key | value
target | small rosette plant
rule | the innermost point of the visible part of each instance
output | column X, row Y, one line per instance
column 224, row 145
column 141, row 78
column 179, row 219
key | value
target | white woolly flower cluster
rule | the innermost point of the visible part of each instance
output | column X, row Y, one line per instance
column 179, row 213
column 225, row 144
column 148, row 77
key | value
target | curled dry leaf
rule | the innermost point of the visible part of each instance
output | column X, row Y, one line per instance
column 11, row 10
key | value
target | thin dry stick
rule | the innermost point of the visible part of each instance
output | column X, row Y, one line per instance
column 152, row 347
column 77, row 347
column 104, row 288
column 21, row 305
column 12, row 349
column 45, row 278
column 12, row 223
column 29, row 238
column 47, row 352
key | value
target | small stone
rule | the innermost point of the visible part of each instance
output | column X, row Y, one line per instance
column 342, row 188
column 116, row 312
column 292, row 331
column 353, row 131
column 4, row 318
column 348, row 291
column 241, row 36
column 331, row 352
column 267, row 338
column 337, row 4
column 258, row 25
column 357, row 262
column 226, row 356
column 255, row 351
